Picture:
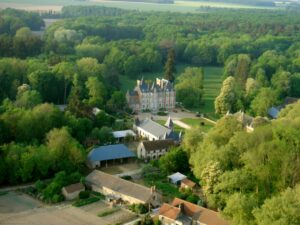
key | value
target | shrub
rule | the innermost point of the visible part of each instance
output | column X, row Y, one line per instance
column 40, row 185
column 193, row 198
column 108, row 212
column 161, row 113
column 127, row 177
column 82, row 202
column 84, row 194
column 57, row 198
column 138, row 208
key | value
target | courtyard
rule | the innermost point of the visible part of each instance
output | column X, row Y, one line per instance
column 17, row 208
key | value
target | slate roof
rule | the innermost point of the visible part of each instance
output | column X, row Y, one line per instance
column 101, row 179
column 158, row 144
column 176, row 177
column 273, row 112
column 109, row 152
column 74, row 187
column 154, row 128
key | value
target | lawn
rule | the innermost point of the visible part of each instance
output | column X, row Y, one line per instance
column 198, row 121
column 176, row 128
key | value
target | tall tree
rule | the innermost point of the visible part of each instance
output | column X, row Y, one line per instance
column 170, row 66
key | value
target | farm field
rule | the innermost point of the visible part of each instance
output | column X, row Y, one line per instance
column 178, row 6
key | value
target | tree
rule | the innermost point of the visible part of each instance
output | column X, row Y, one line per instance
column 170, row 66
column 265, row 98
column 88, row 67
column 239, row 209
column 133, row 66
column 189, row 88
column 67, row 153
column 229, row 98
column 281, row 209
column 174, row 161
column 96, row 91
column 210, row 176
column 25, row 43
column 116, row 102
column 28, row 99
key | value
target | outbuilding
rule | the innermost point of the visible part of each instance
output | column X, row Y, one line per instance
column 109, row 154
column 176, row 178
column 72, row 191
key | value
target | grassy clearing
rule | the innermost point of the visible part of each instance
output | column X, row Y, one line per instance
column 198, row 122
column 108, row 212
column 176, row 128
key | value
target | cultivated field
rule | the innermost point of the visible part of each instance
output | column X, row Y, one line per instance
column 56, row 5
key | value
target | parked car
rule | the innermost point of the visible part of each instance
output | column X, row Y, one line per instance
column 197, row 114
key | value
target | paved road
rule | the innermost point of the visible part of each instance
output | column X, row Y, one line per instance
column 182, row 124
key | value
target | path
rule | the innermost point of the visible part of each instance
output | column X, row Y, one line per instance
column 182, row 124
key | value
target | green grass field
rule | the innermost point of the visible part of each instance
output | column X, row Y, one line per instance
column 176, row 128
column 197, row 122
column 178, row 6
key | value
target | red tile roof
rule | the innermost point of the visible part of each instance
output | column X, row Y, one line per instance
column 188, row 183
column 169, row 211
column 203, row 215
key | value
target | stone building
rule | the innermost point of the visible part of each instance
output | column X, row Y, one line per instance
column 117, row 188
column 150, row 150
column 152, row 96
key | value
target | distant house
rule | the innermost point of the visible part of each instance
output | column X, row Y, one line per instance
column 187, row 184
column 176, row 178
column 121, row 134
column 117, row 188
column 149, row 150
column 181, row 212
column 152, row 130
column 72, row 191
column 273, row 112
column 108, row 153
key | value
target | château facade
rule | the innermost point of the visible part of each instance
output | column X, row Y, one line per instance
column 152, row 96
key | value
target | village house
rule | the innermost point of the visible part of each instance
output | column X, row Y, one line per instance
column 157, row 95
column 108, row 154
column 181, row 212
column 114, row 187
column 72, row 191
column 149, row 150
column 152, row 130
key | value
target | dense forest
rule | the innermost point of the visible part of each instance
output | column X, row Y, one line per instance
column 79, row 60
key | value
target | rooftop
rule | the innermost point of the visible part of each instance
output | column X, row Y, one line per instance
column 203, row 215
column 158, row 144
column 74, row 187
column 109, row 152
column 154, row 128
column 123, row 133
column 177, row 177
column 188, row 183
column 120, row 185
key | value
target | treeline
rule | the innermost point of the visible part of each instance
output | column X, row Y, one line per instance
column 253, row 178
column 266, row 3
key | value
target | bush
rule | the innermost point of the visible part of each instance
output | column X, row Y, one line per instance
column 84, row 194
column 127, row 177
column 161, row 113
column 108, row 212
column 40, row 185
column 82, row 202
column 193, row 198
column 57, row 198
column 138, row 208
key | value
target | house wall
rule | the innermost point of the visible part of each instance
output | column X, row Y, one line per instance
column 149, row 155
column 168, row 221
column 107, row 191
column 71, row 196
column 145, row 134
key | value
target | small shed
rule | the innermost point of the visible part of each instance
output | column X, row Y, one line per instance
column 187, row 184
column 121, row 134
column 176, row 178
column 72, row 191
column 107, row 153
column 273, row 112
